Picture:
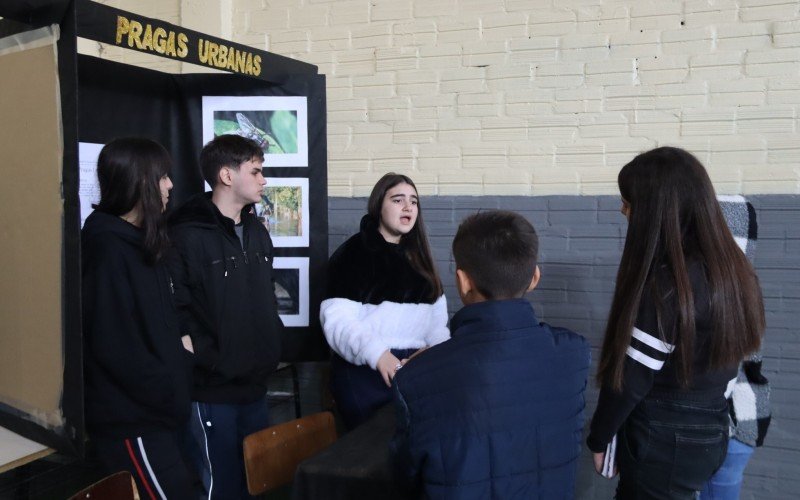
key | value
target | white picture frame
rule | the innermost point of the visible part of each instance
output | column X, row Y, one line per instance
column 288, row 225
column 291, row 289
column 250, row 116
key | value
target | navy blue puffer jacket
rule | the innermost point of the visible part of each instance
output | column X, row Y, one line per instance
column 494, row 412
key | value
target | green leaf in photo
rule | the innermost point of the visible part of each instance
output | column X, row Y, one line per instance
column 222, row 127
column 284, row 128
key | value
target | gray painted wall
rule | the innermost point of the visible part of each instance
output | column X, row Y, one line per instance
column 581, row 241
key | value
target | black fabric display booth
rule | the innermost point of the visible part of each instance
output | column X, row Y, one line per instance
column 102, row 100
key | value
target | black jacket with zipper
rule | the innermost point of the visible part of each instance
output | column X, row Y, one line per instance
column 226, row 301
column 136, row 372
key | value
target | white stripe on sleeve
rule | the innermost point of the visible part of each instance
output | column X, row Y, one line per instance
column 644, row 359
column 653, row 342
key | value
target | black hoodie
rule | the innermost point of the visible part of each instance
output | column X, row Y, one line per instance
column 136, row 371
column 226, row 301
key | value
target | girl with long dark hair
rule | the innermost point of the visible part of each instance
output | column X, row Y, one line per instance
column 687, row 309
column 136, row 369
column 384, row 300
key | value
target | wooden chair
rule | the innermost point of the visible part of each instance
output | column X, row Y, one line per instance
column 117, row 486
column 271, row 455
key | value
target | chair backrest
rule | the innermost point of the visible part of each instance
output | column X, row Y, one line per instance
column 117, row 486
column 271, row 456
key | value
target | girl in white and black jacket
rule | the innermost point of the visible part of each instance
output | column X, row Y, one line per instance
column 687, row 309
column 384, row 300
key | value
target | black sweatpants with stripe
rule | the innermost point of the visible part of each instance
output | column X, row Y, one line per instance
column 156, row 462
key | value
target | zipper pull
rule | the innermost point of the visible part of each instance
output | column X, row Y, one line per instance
column 171, row 286
column 244, row 253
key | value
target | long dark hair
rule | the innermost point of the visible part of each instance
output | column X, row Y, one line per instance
column 674, row 217
column 415, row 241
column 129, row 170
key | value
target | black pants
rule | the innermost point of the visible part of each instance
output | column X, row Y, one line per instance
column 668, row 448
column 154, row 460
column 359, row 390
column 216, row 433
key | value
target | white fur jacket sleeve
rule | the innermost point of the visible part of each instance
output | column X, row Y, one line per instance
column 361, row 333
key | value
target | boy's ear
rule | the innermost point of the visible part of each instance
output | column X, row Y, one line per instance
column 463, row 283
column 535, row 280
column 224, row 176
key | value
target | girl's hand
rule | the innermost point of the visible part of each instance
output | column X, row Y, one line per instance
column 187, row 343
column 599, row 458
column 388, row 364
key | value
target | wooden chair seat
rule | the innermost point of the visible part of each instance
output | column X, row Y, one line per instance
column 117, row 486
column 271, row 455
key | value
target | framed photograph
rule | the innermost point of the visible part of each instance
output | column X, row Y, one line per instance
column 283, row 210
column 291, row 289
column 278, row 124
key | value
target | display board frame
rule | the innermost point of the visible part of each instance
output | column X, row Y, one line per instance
column 277, row 75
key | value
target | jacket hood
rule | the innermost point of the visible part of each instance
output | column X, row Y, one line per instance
column 372, row 238
column 198, row 210
column 100, row 222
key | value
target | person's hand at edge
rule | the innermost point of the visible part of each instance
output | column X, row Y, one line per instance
column 388, row 364
column 187, row 343
column 599, row 458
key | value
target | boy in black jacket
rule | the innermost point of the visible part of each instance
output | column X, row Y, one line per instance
column 226, row 302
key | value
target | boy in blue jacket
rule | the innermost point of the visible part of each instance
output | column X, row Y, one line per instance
column 497, row 410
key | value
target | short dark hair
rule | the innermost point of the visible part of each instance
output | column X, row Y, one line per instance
column 498, row 249
column 227, row 150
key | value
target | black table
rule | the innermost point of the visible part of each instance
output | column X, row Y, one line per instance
column 356, row 466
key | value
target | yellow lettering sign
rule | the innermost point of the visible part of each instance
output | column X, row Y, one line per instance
column 152, row 39
column 159, row 40
column 147, row 37
column 123, row 27
column 134, row 35
column 183, row 47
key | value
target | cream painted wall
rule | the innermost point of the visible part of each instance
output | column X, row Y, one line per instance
column 510, row 97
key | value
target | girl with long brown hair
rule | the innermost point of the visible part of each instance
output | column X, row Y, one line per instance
column 384, row 299
column 136, row 369
column 687, row 309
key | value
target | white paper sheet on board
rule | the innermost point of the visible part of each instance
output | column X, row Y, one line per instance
column 89, row 188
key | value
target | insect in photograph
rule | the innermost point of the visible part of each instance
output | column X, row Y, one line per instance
column 274, row 131
column 279, row 124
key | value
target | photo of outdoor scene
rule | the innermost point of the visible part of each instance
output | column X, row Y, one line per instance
column 287, row 290
column 283, row 211
column 291, row 289
column 274, row 130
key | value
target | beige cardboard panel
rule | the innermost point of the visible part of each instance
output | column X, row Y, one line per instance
column 31, row 211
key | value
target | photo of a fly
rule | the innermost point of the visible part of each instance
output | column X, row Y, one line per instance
column 250, row 131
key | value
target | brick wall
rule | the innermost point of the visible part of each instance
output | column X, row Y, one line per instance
column 483, row 97
column 516, row 97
